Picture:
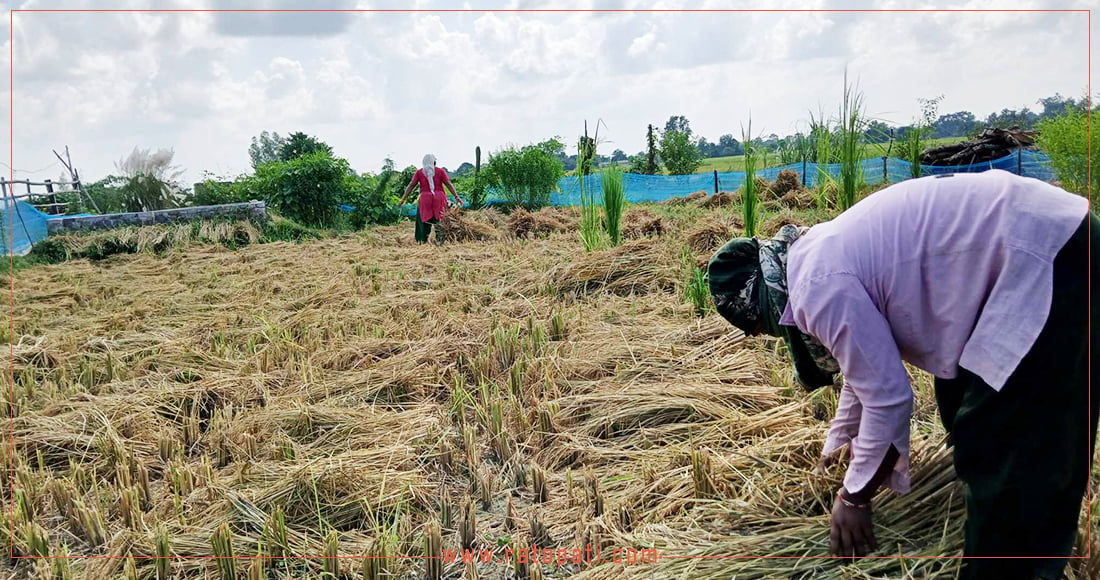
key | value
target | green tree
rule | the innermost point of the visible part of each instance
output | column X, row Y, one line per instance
column 300, row 144
column 679, row 154
column 265, row 148
column 525, row 176
column 678, row 123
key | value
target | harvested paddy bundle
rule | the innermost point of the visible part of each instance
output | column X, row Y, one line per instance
column 690, row 198
column 491, row 216
column 763, row 188
column 776, row 220
column 633, row 268
column 785, row 182
column 798, row 198
column 523, row 224
column 458, row 225
column 710, row 236
column 642, row 223
column 565, row 216
column 720, row 199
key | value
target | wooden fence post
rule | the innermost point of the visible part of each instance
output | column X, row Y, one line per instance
column 52, row 197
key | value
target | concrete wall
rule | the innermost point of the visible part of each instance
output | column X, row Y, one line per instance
column 252, row 209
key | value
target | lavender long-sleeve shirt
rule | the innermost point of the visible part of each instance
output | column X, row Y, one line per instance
column 941, row 272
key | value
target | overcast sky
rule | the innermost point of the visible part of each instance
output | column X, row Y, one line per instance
column 374, row 85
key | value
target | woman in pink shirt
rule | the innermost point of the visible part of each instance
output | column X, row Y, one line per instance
column 983, row 281
column 433, row 199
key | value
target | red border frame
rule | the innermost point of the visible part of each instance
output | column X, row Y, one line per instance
column 660, row 557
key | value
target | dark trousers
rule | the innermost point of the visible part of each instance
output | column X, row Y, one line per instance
column 1024, row 453
column 424, row 230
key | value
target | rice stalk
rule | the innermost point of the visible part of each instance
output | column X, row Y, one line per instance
column 614, row 201
column 222, row 542
column 433, row 552
column 749, row 196
column 851, row 144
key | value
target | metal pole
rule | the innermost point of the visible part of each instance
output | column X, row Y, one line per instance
column 716, row 181
column 884, row 176
column 803, row 171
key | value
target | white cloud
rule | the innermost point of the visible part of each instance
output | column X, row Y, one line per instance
column 643, row 44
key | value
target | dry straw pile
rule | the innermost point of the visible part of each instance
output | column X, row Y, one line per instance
column 364, row 396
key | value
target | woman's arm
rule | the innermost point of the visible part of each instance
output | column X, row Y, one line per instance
column 408, row 190
column 453, row 192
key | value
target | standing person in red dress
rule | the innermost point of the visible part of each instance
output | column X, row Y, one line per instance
column 433, row 198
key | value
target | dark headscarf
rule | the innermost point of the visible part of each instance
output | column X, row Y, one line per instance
column 748, row 280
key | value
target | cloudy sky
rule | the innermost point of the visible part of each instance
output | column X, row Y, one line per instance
column 399, row 84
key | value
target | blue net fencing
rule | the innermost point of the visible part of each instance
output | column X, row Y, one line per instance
column 875, row 171
column 22, row 226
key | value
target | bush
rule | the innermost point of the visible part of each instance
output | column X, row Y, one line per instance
column 210, row 192
column 373, row 199
column 1065, row 139
column 524, row 176
column 107, row 194
column 306, row 189
column 50, row 251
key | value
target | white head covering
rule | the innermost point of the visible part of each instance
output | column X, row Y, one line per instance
column 429, row 171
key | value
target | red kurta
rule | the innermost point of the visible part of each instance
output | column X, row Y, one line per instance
column 432, row 205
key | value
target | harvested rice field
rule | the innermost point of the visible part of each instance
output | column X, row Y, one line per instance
column 361, row 407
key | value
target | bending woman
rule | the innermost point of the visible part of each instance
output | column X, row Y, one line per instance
column 983, row 281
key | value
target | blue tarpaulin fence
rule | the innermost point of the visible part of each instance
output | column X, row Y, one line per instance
column 656, row 188
column 22, row 225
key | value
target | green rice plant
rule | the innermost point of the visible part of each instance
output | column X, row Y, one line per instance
column 853, row 124
column 164, row 553
column 38, row 541
column 821, row 148
column 62, row 570
column 374, row 561
column 912, row 143
column 614, row 201
column 558, row 329
column 222, row 543
column 749, row 195
column 696, row 290
column 129, row 570
column 331, row 564
column 590, row 217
